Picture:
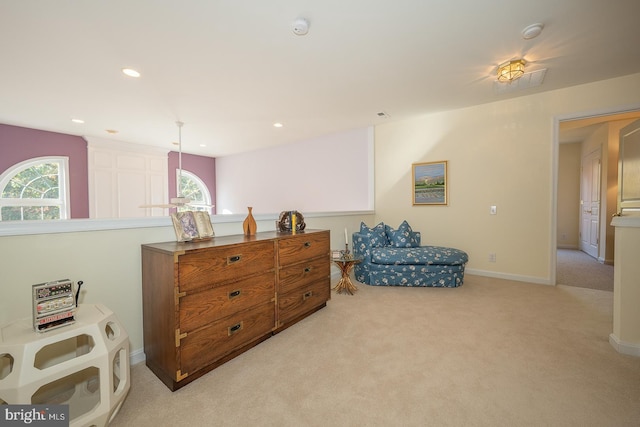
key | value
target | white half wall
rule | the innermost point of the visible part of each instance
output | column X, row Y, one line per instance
column 109, row 262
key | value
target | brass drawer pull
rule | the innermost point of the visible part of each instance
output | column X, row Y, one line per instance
column 307, row 295
column 307, row 244
column 235, row 328
column 233, row 259
column 234, row 294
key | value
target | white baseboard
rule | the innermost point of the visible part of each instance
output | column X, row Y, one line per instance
column 137, row 356
column 628, row 348
column 567, row 247
column 508, row 276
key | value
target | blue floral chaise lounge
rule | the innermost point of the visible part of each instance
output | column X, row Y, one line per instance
column 395, row 258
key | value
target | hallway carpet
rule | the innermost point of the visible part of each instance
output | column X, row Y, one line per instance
column 576, row 268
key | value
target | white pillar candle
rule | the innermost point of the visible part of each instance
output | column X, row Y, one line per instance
column 346, row 239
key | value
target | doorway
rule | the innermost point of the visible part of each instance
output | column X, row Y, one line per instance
column 582, row 223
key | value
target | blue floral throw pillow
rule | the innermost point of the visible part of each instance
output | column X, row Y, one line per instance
column 377, row 234
column 403, row 237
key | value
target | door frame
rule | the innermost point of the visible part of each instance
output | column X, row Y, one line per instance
column 553, row 252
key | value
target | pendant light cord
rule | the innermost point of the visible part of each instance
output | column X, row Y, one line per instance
column 179, row 158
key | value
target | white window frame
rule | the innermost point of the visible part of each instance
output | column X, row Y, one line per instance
column 201, row 185
column 63, row 190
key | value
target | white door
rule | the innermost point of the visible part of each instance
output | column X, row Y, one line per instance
column 629, row 168
column 590, row 204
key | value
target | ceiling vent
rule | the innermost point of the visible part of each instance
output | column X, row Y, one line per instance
column 528, row 80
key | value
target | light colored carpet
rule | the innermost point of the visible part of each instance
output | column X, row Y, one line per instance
column 576, row 268
column 490, row 353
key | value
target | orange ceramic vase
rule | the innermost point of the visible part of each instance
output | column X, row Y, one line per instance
column 249, row 225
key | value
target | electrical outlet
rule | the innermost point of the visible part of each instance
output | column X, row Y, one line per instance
column 493, row 210
column 492, row 257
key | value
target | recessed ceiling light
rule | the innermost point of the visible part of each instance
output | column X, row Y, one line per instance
column 131, row 72
column 77, row 121
column 203, row 145
column 277, row 125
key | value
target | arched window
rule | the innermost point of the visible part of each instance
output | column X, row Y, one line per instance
column 195, row 189
column 35, row 189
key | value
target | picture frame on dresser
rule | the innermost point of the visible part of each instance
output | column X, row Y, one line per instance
column 192, row 225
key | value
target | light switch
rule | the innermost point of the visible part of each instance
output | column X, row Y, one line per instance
column 493, row 210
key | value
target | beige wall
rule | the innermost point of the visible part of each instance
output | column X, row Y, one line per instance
column 568, row 226
column 500, row 154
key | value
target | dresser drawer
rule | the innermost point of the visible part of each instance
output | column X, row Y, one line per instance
column 200, row 308
column 302, row 300
column 303, row 273
column 302, row 247
column 216, row 265
column 203, row 347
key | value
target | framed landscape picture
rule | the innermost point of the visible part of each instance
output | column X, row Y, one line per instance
column 429, row 183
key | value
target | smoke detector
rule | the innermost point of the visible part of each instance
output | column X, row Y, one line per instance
column 300, row 26
column 532, row 31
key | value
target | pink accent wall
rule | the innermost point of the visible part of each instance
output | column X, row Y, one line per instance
column 204, row 167
column 18, row 144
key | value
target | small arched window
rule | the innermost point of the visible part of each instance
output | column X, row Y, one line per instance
column 36, row 189
column 195, row 189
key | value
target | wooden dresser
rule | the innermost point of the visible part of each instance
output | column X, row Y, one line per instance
column 204, row 303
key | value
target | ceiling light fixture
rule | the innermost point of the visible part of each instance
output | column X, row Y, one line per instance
column 80, row 121
column 511, row 70
column 131, row 72
column 277, row 125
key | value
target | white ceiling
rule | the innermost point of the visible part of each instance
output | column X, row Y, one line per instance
column 230, row 69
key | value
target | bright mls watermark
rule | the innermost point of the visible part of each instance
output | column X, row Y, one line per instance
column 34, row 415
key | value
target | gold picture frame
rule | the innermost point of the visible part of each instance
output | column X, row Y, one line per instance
column 192, row 226
column 429, row 183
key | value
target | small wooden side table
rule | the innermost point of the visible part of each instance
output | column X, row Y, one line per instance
column 346, row 265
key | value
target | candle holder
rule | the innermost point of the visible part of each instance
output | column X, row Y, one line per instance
column 346, row 254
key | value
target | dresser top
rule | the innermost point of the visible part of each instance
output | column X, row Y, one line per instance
column 234, row 239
